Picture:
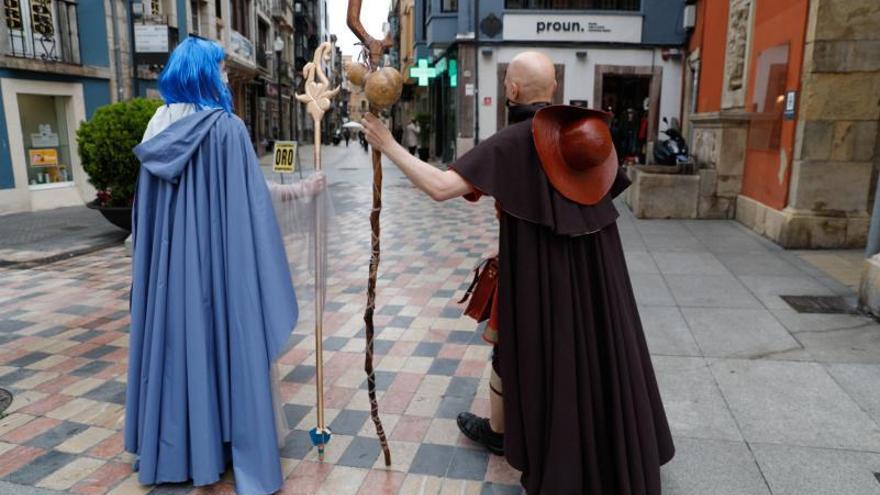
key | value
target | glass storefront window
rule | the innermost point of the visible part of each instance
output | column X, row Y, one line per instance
column 45, row 137
column 627, row 5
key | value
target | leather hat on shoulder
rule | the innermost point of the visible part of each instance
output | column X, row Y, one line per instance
column 576, row 151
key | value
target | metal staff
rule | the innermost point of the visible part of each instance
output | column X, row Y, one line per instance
column 317, row 99
column 374, row 49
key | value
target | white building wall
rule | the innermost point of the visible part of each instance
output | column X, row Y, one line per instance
column 579, row 76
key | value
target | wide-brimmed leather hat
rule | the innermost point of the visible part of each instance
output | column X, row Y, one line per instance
column 576, row 151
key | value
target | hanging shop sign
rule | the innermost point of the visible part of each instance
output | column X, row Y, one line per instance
column 581, row 28
column 422, row 72
column 453, row 73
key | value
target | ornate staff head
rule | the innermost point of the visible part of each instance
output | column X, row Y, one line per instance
column 374, row 47
column 317, row 91
column 382, row 85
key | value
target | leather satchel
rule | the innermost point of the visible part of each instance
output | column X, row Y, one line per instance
column 482, row 290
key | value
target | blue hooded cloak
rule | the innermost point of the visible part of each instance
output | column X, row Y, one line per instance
column 212, row 305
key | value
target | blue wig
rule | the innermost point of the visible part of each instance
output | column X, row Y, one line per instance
column 192, row 75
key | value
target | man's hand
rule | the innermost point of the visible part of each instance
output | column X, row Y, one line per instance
column 377, row 134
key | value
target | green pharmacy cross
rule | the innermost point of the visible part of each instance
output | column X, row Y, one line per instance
column 423, row 73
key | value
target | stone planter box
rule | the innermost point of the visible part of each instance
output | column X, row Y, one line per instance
column 654, row 195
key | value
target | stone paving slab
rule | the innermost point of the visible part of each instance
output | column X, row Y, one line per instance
column 714, row 467
column 793, row 403
column 34, row 237
column 810, row 471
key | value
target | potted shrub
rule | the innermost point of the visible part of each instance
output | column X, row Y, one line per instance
column 424, row 120
column 105, row 147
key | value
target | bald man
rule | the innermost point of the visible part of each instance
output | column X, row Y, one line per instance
column 579, row 411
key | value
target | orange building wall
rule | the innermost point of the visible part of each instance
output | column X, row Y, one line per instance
column 776, row 22
column 710, row 36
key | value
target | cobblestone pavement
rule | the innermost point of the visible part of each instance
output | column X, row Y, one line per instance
column 761, row 399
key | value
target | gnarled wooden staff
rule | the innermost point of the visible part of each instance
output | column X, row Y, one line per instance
column 381, row 93
column 317, row 100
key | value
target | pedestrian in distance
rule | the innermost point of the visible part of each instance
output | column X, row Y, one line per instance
column 574, row 400
column 411, row 136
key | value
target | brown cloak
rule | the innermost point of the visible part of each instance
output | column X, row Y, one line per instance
column 582, row 409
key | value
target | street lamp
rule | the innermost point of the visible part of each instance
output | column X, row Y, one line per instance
column 278, row 45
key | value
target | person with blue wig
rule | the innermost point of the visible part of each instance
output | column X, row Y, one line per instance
column 212, row 303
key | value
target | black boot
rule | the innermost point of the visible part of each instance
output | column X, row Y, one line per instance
column 478, row 430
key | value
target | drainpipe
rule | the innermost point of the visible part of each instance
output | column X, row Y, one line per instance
column 135, row 90
column 476, row 72
column 117, row 56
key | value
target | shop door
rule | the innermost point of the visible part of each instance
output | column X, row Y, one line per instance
column 627, row 98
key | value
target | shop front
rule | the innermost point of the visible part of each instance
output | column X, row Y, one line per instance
column 41, row 119
column 602, row 61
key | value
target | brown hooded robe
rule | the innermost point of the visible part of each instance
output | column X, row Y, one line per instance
column 583, row 413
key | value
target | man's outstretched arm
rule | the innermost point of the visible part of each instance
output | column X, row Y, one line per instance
column 438, row 184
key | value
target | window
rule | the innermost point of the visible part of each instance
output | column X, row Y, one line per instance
column 44, row 130
column 194, row 16
column 449, row 5
column 263, row 44
column 41, row 29
column 241, row 17
column 627, row 5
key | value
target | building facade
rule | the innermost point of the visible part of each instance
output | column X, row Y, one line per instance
column 62, row 59
column 409, row 49
column 783, row 108
column 267, row 43
column 624, row 56
column 54, row 74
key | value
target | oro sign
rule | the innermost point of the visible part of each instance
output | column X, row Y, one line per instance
column 285, row 157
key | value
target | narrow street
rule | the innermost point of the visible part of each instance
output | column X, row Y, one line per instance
column 761, row 399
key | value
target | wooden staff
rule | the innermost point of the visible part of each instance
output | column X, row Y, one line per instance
column 374, row 49
column 317, row 99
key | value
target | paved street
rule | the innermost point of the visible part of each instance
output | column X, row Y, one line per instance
column 761, row 399
column 40, row 237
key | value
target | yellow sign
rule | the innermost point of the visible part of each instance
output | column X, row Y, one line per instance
column 285, row 157
column 44, row 157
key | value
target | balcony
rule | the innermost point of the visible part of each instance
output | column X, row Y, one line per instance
column 43, row 30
